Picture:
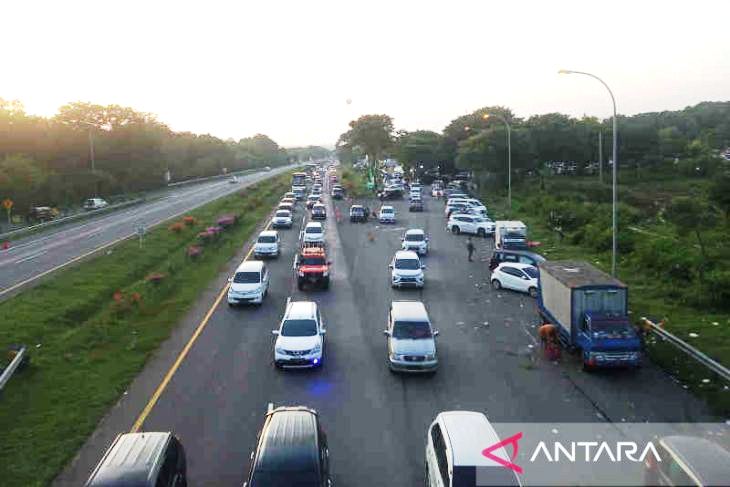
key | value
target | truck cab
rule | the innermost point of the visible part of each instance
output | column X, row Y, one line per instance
column 313, row 267
column 608, row 340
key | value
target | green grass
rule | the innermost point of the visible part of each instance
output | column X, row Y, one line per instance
column 647, row 297
column 86, row 348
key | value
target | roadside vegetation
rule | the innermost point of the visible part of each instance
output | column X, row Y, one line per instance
column 354, row 182
column 90, row 329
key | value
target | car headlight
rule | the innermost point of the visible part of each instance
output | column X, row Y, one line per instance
column 431, row 356
column 301, row 273
column 397, row 356
column 279, row 350
column 317, row 348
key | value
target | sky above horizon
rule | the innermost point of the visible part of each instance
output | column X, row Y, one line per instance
column 300, row 71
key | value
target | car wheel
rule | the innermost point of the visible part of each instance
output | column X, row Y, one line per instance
column 496, row 284
column 482, row 233
column 532, row 292
column 300, row 285
column 455, row 230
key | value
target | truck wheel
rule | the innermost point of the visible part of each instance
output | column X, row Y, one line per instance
column 455, row 230
column 532, row 292
column 482, row 233
column 496, row 284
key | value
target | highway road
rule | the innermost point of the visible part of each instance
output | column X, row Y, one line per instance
column 38, row 254
column 376, row 421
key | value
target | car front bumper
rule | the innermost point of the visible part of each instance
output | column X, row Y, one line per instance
column 257, row 298
column 413, row 367
column 409, row 283
column 298, row 362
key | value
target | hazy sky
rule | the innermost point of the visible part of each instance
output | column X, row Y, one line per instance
column 286, row 68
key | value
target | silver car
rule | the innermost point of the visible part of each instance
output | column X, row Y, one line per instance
column 411, row 339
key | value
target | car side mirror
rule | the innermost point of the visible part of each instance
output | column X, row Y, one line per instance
column 323, row 332
column 275, row 332
column 426, row 239
column 390, row 266
column 230, row 279
column 435, row 333
column 386, row 333
column 423, row 266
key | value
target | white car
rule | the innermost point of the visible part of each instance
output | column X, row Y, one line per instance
column 406, row 270
column 300, row 337
column 466, row 223
column 282, row 219
column 267, row 245
column 313, row 233
column 249, row 284
column 233, row 180
column 387, row 214
column 477, row 205
column 416, row 240
column 515, row 276
column 95, row 204
column 411, row 338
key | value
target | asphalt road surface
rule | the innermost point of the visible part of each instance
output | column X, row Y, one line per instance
column 376, row 421
column 35, row 255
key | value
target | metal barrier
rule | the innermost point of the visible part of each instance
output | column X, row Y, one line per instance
column 10, row 369
column 211, row 178
column 691, row 351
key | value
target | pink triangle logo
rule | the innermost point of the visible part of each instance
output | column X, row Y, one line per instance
column 487, row 452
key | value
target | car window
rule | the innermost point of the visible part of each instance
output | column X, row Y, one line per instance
column 282, row 213
column 313, row 261
column 530, row 271
column 407, row 264
column 246, row 278
column 313, row 230
column 267, row 239
column 511, row 271
column 414, row 237
column 440, row 450
column 509, row 258
column 168, row 469
column 299, row 328
column 412, row 330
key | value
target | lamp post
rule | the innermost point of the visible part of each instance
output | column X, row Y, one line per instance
column 614, row 210
column 509, row 156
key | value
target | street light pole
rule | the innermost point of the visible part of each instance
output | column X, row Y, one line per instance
column 614, row 210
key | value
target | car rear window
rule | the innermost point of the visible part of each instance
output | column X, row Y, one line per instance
column 414, row 237
column 247, row 278
column 283, row 213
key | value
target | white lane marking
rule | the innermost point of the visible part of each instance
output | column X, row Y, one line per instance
column 30, row 257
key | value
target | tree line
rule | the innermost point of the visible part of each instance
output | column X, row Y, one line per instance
column 48, row 161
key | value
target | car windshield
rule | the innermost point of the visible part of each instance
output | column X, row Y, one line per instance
column 531, row 271
column 407, row 264
column 414, row 237
column 313, row 230
column 267, row 239
column 247, row 278
column 312, row 261
column 357, row 210
column 283, row 213
column 299, row 328
column 387, row 210
column 318, row 208
column 411, row 330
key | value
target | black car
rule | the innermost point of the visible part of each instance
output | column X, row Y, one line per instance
column 142, row 459
column 416, row 205
column 518, row 256
column 358, row 214
column 292, row 450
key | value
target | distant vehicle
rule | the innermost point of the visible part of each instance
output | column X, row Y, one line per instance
column 233, row 180
column 518, row 277
column 95, row 204
column 298, row 180
column 510, row 235
column 267, row 168
column 391, row 192
column 386, row 214
column 313, row 233
column 311, row 200
column 42, row 214
column 291, row 201
column 590, row 310
column 267, row 245
column 289, row 195
column 451, row 441
column 282, row 219
column 285, row 206
column 249, row 284
column 416, row 240
column 319, row 212
column 338, row 192
column 474, row 224
column 142, row 460
column 300, row 337
column 455, row 207
column 406, row 270
column 312, row 267
column 476, row 205
column 437, row 192
column 358, row 214
column 411, row 339
column 415, row 205
column 687, row 460
column 299, row 192
column 291, row 450
column 515, row 256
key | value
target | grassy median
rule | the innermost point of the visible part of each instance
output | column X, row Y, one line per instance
column 91, row 329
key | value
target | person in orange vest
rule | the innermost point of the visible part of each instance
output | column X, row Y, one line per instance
column 549, row 338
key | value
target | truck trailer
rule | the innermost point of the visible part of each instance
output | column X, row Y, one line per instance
column 510, row 235
column 589, row 308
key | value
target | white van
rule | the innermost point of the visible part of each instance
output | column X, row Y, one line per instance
column 454, row 445
column 249, row 284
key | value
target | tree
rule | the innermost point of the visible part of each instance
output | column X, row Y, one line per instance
column 690, row 215
column 419, row 147
column 20, row 179
column 372, row 134
column 720, row 194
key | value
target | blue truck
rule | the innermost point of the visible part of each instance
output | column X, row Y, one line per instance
column 589, row 309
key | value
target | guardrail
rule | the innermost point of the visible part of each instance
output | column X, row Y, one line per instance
column 211, row 178
column 10, row 369
column 77, row 216
column 691, row 351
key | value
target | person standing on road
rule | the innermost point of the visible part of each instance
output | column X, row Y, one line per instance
column 469, row 247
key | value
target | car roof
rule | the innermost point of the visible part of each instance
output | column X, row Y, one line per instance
column 250, row 266
column 406, row 254
column 415, row 231
column 268, row 233
column 469, row 434
column 705, row 460
column 517, row 265
column 133, row 459
column 409, row 310
column 301, row 310
column 526, row 253
column 314, row 224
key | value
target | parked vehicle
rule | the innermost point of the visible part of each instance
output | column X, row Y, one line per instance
column 510, row 235
column 474, row 224
column 518, row 277
column 406, row 270
column 411, row 340
column 42, row 214
column 146, row 459
column 233, row 180
column 386, row 214
column 313, row 233
column 515, row 256
column 300, row 337
column 267, row 245
column 358, row 214
column 687, row 460
column 249, row 284
column 94, row 204
column 590, row 310
column 451, row 441
column 291, row 450
column 416, row 240
column 319, row 212
column 312, row 267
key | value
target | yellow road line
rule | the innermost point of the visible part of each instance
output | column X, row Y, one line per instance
column 170, row 373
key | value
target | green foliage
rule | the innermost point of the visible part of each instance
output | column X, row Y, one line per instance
column 419, row 147
column 303, row 154
column 720, row 194
column 372, row 134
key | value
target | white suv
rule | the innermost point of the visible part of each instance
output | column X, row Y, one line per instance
column 406, row 270
column 313, row 233
column 300, row 337
column 249, row 284
column 387, row 214
column 416, row 240
column 267, row 245
column 282, row 219
column 518, row 277
column 474, row 224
